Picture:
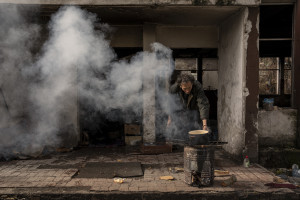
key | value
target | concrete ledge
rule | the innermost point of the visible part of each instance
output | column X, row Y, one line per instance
column 272, row 157
column 136, row 2
column 75, row 195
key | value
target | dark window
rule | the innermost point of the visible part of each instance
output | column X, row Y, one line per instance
column 275, row 52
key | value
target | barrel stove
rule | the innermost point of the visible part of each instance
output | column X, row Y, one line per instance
column 199, row 153
column 199, row 165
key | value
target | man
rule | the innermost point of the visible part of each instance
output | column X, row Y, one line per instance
column 191, row 110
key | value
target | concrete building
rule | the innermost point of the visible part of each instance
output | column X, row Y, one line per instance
column 225, row 41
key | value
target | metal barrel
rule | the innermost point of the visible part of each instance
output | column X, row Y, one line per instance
column 199, row 165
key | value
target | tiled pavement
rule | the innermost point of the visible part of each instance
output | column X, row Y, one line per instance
column 23, row 179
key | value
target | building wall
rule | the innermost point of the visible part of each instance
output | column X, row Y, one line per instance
column 296, row 71
column 277, row 127
column 134, row 2
column 170, row 36
column 126, row 36
column 231, row 103
column 188, row 37
column 251, row 37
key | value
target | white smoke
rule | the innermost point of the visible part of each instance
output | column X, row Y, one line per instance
column 17, row 40
column 76, row 63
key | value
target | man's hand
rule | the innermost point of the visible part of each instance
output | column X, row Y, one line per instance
column 205, row 128
column 204, row 125
column 169, row 121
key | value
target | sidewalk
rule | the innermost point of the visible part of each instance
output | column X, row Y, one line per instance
column 25, row 179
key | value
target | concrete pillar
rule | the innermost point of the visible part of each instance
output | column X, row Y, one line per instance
column 296, row 70
column 231, row 82
column 252, row 83
column 149, row 36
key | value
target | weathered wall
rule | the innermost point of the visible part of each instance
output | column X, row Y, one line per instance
column 296, row 70
column 251, row 37
column 170, row 36
column 149, row 36
column 210, row 73
column 188, row 37
column 277, row 127
column 231, row 103
column 127, row 36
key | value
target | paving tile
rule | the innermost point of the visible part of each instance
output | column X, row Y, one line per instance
column 25, row 174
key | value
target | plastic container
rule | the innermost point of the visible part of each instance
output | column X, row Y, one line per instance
column 295, row 170
column 246, row 162
column 268, row 104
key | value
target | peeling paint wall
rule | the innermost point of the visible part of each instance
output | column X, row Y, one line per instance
column 251, row 37
column 277, row 128
column 231, row 103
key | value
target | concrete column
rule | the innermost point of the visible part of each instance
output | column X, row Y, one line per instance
column 149, row 36
column 252, row 83
column 296, row 70
column 231, row 82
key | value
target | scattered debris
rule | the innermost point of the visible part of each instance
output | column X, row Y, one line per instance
column 221, row 172
column 229, row 181
column 119, row 180
column 294, row 180
column 167, row 178
column 176, row 169
column 6, row 197
column 285, row 175
column 282, row 171
column 277, row 179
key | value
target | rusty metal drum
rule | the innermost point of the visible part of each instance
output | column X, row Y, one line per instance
column 199, row 165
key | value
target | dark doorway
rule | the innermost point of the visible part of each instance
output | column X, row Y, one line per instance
column 200, row 54
column 101, row 129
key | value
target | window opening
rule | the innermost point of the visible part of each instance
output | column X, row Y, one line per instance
column 275, row 51
column 268, row 75
column 275, row 75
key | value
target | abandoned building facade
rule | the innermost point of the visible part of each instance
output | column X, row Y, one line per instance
column 245, row 53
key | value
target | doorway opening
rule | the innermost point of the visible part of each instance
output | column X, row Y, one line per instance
column 205, row 70
column 107, row 129
column 203, row 63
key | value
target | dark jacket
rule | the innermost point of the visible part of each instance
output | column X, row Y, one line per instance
column 197, row 101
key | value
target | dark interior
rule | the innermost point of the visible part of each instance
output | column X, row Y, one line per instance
column 200, row 53
column 100, row 128
column 103, row 131
column 276, row 28
column 276, row 33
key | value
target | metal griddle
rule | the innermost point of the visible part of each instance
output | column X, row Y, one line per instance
column 216, row 144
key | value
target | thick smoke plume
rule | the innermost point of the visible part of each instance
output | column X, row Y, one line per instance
column 40, row 90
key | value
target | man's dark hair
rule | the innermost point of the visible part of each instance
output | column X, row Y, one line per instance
column 184, row 78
